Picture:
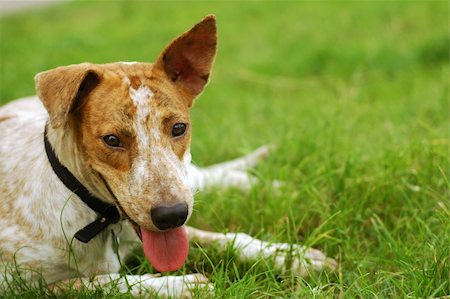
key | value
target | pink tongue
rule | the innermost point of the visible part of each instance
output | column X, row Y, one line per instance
column 167, row 250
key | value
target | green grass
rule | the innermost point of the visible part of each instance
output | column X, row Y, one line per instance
column 354, row 94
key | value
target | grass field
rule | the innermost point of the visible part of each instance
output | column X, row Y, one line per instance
column 356, row 98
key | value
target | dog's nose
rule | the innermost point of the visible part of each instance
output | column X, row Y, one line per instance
column 169, row 217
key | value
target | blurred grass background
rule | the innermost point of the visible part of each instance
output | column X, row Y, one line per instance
column 355, row 96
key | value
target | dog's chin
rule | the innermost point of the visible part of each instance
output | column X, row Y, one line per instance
column 166, row 250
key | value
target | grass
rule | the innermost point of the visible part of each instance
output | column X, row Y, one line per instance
column 354, row 94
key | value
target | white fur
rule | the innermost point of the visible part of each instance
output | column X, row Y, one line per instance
column 147, row 286
column 153, row 157
column 141, row 98
column 38, row 225
column 250, row 249
column 128, row 62
column 44, row 205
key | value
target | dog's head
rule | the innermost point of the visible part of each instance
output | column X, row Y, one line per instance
column 130, row 122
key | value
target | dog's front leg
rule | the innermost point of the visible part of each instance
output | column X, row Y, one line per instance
column 140, row 286
column 286, row 257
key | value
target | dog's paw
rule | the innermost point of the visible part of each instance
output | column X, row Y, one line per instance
column 177, row 286
column 231, row 174
column 258, row 155
column 301, row 261
column 292, row 258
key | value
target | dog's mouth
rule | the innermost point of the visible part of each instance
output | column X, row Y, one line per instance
column 166, row 250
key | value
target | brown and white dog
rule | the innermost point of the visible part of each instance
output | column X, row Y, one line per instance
column 122, row 130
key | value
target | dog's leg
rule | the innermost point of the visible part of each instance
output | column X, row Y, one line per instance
column 228, row 174
column 140, row 286
column 286, row 257
column 243, row 163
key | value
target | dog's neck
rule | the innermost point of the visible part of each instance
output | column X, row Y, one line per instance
column 68, row 151
column 107, row 213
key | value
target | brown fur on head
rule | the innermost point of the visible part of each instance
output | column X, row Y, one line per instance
column 139, row 103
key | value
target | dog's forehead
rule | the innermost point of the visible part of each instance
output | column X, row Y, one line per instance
column 131, row 93
column 133, row 74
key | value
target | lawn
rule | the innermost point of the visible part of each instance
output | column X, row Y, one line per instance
column 355, row 96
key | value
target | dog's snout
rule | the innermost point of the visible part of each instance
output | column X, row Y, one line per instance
column 164, row 217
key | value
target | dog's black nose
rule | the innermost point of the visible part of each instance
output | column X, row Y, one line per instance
column 169, row 217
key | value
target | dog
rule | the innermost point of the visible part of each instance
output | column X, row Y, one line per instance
column 102, row 153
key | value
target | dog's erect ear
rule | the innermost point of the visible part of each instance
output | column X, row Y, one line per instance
column 62, row 90
column 188, row 59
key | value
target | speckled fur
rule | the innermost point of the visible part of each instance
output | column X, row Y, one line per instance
column 138, row 102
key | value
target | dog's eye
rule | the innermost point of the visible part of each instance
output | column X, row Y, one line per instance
column 178, row 129
column 112, row 141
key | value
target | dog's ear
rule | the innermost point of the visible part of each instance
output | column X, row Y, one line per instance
column 62, row 90
column 188, row 59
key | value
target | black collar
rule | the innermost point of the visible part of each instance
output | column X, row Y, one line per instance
column 108, row 214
